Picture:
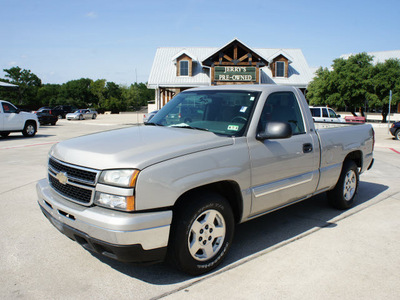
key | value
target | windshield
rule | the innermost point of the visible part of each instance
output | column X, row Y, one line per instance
column 218, row 111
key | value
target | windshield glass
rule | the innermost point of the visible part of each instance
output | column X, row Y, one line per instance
column 218, row 111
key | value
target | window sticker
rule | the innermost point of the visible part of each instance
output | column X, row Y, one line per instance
column 243, row 109
column 233, row 127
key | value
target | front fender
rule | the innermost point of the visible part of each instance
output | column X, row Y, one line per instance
column 160, row 185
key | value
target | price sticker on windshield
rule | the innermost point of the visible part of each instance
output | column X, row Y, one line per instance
column 233, row 127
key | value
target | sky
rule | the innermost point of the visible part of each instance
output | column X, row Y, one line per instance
column 117, row 40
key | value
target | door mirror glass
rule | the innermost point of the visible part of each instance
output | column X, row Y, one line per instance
column 275, row 130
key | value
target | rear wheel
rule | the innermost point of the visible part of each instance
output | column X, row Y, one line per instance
column 342, row 196
column 29, row 129
column 201, row 233
column 397, row 134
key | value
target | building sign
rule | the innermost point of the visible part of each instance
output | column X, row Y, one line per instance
column 234, row 73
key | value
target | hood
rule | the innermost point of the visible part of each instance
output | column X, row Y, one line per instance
column 135, row 147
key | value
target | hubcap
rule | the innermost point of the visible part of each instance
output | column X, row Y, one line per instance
column 30, row 129
column 350, row 184
column 207, row 234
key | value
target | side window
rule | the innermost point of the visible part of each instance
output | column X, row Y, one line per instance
column 315, row 112
column 8, row 109
column 332, row 114
column 325, row 113
column 282, row 107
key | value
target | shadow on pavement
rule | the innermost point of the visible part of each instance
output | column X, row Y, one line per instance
column 256, row 235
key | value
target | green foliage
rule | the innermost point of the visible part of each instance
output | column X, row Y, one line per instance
column 347, row 85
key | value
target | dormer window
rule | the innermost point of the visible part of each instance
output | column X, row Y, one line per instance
column 280, row 69
column 184, row 68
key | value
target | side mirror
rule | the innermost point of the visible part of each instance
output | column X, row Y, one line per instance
column 17, row 111
column 338, row 116
column 275, row 130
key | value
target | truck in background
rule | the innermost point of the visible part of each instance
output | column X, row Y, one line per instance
column 14, row 120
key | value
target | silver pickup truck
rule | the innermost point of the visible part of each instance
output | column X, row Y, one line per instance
column 209, row 159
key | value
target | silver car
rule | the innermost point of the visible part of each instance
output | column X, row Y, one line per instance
column 147, row 117
column 81, row 114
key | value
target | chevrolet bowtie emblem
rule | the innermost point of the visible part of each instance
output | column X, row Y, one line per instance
column 62, row 177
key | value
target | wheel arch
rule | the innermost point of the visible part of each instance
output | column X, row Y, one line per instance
column 355, row 156
column 230, row 190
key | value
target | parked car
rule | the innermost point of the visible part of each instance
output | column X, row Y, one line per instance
column 62, row 110
column 12, row 119
column 177, row 189
column 395, row 130
column 325, row 114
column 45, row 117
column 147, row 117
column 81, row 114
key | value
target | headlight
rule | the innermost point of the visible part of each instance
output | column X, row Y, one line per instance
column 122, row 178
column 125, row 203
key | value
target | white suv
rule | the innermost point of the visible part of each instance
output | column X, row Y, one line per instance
column 14, row 120
column 325, row 114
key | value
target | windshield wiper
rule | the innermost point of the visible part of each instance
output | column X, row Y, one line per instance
column 152, row 124
column 191, row 127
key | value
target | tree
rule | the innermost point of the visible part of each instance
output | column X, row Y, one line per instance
column 352, row 79
column 77, row 93
column 386, row 78
column 48, row 94
column 28, row 84
column 347, row 85
column 98, row 89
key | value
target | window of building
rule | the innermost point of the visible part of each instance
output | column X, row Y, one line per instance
column 184, row 68
column 280, row 69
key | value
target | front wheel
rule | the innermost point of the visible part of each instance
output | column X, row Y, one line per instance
column 201, row 233
column 5, row 134
column 342, row 196
column 397, row 135
column 29, row 129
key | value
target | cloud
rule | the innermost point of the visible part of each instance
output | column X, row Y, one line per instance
column 91, row 15
column 12, row 63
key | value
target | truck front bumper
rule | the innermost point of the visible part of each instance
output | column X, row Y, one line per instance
column 128, row 237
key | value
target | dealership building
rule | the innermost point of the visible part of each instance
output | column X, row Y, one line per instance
column 176, row 69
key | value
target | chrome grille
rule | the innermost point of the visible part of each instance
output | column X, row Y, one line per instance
column 79, row 184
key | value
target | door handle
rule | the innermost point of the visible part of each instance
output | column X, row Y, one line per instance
column 307, row 148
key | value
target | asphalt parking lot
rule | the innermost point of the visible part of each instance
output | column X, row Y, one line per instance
column 306, row 251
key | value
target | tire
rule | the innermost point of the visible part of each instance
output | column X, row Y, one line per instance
column 397, row 134
column 5, row 134
column 29, row 129
column 201, row 233
column 342, row 196
column 80, row 117
column 94, row 116
column 54, row 123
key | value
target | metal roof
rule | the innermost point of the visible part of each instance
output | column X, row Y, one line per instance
column 163, row 72
column 378, row 56
column 7, row 84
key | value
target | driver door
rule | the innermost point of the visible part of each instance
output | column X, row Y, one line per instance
column 283, row 170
